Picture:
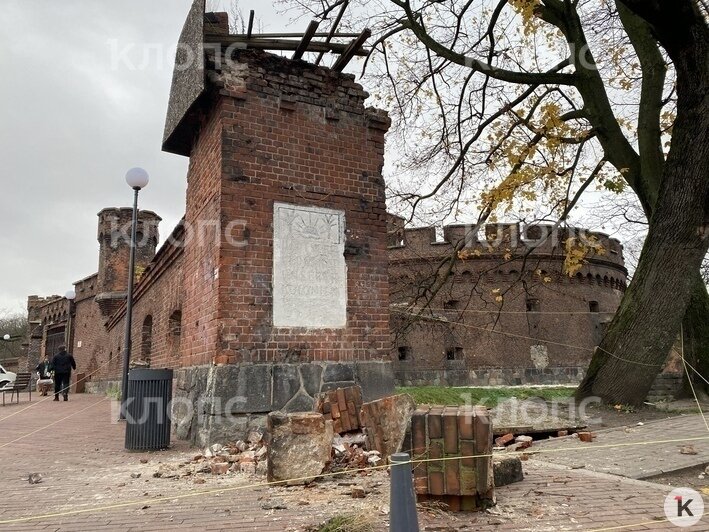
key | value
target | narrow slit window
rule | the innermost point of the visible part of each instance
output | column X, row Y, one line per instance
column 404, row 352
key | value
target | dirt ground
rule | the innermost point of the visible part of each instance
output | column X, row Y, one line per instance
column 696, row 478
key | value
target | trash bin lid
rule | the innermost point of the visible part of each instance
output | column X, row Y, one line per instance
column 147, row 374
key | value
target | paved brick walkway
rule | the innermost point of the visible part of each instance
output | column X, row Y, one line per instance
column 635, row 461
column 86, row 468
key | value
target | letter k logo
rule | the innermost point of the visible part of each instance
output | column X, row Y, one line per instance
column 681, row 508
column 677, row 507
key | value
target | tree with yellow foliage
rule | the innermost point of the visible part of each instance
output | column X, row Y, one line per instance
column 522, row 105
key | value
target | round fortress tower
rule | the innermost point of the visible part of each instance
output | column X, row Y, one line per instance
column 509, row 312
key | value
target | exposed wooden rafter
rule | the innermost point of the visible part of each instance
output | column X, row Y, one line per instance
column 277, row 44
column 305, row 41
column 352, row 49
column 298, row 43
column 332, row 33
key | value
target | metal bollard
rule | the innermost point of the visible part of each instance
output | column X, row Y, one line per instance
column 402, row 514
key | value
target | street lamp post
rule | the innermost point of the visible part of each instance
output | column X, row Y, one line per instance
column 137, row 178
column 69, row 336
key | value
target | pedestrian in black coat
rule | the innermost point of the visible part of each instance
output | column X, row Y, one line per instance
column 62, row 364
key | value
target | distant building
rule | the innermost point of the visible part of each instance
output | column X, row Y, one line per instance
column 507, row 312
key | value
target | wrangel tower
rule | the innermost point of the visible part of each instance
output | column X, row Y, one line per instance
column 285, row 272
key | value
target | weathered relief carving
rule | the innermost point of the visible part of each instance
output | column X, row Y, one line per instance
column 309, row 271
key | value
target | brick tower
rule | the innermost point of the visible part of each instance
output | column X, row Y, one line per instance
column 114, row 228
column 285, row 273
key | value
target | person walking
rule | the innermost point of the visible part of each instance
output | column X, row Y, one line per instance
column 44, row 372
column 62, row 364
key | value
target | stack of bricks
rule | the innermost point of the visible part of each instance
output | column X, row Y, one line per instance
column 462, row 436
column 342, row 406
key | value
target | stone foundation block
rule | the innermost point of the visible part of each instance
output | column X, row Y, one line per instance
column 219, row 403
column 300, row 447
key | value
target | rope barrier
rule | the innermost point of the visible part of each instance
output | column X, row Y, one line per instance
column 162, row 499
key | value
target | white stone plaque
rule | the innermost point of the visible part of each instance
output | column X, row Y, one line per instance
column 309, row 270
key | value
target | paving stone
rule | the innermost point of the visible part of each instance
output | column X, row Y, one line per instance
column 636, row 462
column 88, row 465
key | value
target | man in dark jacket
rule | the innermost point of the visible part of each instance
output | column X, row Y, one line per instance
column 62, row 364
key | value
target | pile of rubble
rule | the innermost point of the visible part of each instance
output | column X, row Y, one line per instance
column 248, row 457
column 349, row 451
column 343, row 434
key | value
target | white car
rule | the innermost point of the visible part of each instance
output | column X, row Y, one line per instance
column 7, row 378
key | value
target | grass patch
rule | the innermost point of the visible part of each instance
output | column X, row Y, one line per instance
column 347, row 523
column 441, row 395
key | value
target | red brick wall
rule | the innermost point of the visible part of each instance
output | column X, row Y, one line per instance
column 289, row 132
column 158, row 296
column 90, row 338
column 201, row 255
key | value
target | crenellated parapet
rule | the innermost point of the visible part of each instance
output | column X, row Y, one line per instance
column 493, row 241
column 48, row 310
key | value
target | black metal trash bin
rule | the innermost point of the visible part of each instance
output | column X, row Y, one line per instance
column 148, row 409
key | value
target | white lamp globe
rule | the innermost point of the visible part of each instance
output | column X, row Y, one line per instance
column 137, row 178
column 70, row 295
column 6, row 337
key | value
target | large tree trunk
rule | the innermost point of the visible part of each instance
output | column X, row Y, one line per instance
column 696, row 339
column 641, row 334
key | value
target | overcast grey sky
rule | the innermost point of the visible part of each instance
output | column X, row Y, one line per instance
column 73, row 118
column 83, row 98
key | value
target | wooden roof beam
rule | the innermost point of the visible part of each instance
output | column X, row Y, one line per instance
column 256, row 36
column 352, row 49
column 277, row 44
column 252, row 14
column 333, row 29
column 305, row 41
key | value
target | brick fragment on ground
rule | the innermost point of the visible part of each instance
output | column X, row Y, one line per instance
column 358, row 492
column 585, row 436
column 385, row 422
column 523, row 441
column 220, row 468
column 504, row 440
